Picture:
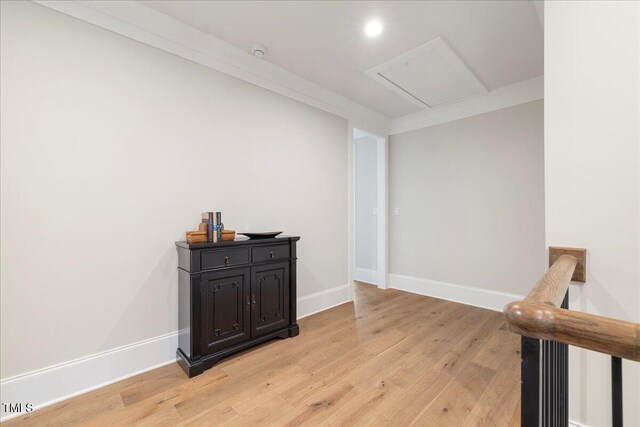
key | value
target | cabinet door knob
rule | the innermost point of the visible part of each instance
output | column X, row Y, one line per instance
column 226, row 260
column 271, row 254
column 248, row 301
column 253, row 301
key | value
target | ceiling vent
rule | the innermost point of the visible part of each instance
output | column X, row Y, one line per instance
column 428, row 76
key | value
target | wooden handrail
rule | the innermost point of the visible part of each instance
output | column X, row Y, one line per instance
column 553, row 285
column 598, row 333
column 539, row 316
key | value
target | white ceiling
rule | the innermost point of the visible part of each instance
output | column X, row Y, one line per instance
column 501, row 42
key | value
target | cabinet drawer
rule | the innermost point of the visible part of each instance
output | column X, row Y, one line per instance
column 224, row 258
column 271, row 252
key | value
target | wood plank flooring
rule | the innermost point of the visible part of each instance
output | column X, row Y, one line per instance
column 390, row 358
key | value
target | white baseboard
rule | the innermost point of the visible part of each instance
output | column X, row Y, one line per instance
column 50, row 385
column 365, row 275
column 47, row 386
column 323, row 300
column 576, row 424
column 493, row 300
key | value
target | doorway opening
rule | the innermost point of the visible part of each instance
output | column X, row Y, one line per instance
column 370, row 208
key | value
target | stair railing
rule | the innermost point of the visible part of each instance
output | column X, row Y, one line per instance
column 547, row 328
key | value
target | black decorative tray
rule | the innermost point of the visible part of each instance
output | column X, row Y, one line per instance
column 264, row 235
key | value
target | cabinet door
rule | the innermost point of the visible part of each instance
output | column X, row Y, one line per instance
column 269, row 298
column 225, row 306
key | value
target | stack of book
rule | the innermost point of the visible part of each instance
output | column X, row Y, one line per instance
column 212, row 222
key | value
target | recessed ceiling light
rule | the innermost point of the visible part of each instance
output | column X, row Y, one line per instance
column 373, row 28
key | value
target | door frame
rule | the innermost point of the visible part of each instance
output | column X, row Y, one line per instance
column 382, row 199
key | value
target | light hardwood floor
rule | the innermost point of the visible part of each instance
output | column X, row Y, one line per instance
column 391, row 358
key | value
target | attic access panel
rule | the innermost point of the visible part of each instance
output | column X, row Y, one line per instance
column 428, row 76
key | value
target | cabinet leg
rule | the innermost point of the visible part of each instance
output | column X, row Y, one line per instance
column 189, row 368
column 294, row 330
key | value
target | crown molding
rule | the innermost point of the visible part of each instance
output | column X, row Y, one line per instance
column 507, row 96
column 146, row 25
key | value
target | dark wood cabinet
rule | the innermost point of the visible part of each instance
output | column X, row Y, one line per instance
column 233, row 295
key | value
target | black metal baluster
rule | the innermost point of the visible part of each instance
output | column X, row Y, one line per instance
column 564, row 398
column 556, row 380
column 545, row 382
column 543, row 374
column 530, row 382
column 562, row 390
column 616, row 391
column 566, row 384
column 556, row 376
column 554, row 383
column 549, row 369
column 550, row 386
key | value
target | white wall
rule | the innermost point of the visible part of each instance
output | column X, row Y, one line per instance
column 592, row 166
column 471, row 201
column 110, row 150
column 366, row 193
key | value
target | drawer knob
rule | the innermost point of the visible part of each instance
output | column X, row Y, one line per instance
column 271, row 254
column 226, row 260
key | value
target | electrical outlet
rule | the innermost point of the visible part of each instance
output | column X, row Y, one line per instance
column 396, row 211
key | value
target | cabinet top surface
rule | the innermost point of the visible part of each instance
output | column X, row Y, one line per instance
column 240, row 241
